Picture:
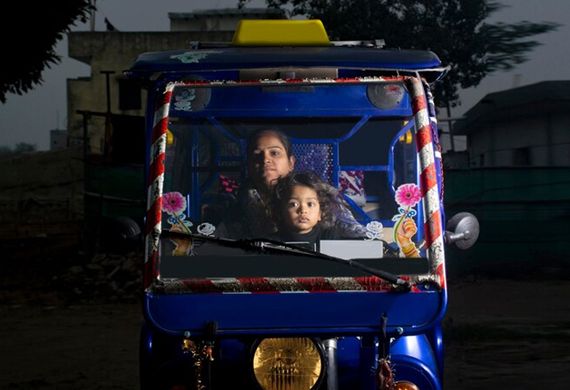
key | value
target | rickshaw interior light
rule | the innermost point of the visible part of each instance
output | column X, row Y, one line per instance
column 406, row 138
column 287, row 364
column 169, row 138
column 386, row 96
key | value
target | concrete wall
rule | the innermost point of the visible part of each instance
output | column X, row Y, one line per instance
column 219, row 20
column 114, row 51
column 41, row 198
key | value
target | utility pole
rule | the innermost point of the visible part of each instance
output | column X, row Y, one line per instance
column 92, row 18
column 108, row 143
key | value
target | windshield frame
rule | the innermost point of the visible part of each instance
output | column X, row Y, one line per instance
column 426, row 155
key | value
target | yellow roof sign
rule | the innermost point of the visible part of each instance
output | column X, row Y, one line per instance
column 270, row 32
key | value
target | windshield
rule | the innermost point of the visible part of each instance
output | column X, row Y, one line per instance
column 328, row 168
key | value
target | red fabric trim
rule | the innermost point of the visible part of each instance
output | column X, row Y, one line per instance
column 159, row 129
column 150, row 270
column 428, row 179
column 201, row 285
column 156, row 168
column 423, row 137
column 162, row 100
column 316, row 284
column 257, row 285
column 441, row 273
column 432, row 228
column 419, row 103
column 373, row 283
column 153, row 215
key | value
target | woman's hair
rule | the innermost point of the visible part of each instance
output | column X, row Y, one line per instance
column 326, row 194
column 252, row 140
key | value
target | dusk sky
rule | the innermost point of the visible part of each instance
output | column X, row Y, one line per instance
column 30, row 117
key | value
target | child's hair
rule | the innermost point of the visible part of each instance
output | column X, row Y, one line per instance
column 326, row 194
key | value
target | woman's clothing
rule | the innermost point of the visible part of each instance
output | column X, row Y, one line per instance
column 250, row 218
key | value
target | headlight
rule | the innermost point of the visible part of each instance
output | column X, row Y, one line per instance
column 287, row 364
column 405, row 385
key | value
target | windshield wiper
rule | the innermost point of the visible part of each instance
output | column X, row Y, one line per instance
column 268, row 245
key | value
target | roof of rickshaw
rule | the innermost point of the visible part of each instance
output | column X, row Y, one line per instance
column 235, row 58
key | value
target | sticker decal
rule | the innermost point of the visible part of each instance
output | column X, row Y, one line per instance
column 407, row 197
column 183, row 100
column 206, row 229
column 174, row 204
column 374, row 230
column 189, row 57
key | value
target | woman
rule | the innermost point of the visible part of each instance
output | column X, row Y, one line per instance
column 269, row 157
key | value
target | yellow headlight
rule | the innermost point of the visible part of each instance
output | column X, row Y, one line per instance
column 287, row 364
column 405, row 385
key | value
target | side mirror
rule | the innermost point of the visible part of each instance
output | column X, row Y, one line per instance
column 463, row 230
column 120, row 234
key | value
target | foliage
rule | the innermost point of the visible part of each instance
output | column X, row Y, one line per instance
column 20, row 148
column 29, row 34
column 456, row 30
column 5, row 150
column 24, row 147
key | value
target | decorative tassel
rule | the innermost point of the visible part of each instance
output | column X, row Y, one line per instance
column 385, row 375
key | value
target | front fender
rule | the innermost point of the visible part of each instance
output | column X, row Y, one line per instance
column 413, row 359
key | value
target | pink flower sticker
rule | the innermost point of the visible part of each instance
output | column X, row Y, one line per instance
column 408, row 195
column 173, row 203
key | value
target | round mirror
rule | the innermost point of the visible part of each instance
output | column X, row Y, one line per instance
column 462, row 230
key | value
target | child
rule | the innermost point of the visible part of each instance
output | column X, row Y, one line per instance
column 304, row 208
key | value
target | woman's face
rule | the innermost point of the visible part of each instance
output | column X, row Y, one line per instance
column 303, row 210
column 269, row 160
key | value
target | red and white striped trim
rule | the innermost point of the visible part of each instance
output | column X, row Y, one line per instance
column 428, row 179
column 274, row 285
column 242, row 83
column 154, row 186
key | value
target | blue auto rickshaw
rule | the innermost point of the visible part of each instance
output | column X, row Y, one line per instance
column 227, row 312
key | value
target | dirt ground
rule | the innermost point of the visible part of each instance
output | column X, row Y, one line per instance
column 499, row 334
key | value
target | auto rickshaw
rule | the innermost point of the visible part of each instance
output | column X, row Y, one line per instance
column 254, row 312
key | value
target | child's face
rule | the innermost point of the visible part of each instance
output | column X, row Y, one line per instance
column 303, row 210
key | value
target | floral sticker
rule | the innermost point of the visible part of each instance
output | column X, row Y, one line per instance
column 374, row 230
column 183, row 100
column 174, row 204
column 407, row 197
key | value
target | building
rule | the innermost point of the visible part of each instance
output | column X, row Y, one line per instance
column 218, row 20
column 520, row 127
column 106, row 123
column 57, row 139
column 106, row 107
column 518, row 184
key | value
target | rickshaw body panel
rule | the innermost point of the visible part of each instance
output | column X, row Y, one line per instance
column 302, row 313
column 233, row 59
column 354, row 318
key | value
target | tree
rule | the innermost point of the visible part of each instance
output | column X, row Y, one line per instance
column 24, row 147
column 30, row 32
column 456, row 30
column 20, row 148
